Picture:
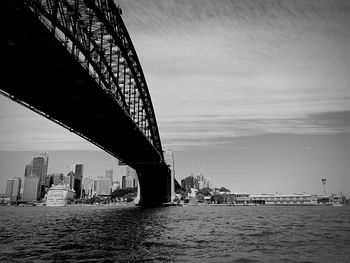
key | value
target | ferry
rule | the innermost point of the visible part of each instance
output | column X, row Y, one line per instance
column 59, row 195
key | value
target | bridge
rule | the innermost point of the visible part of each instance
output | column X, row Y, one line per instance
column 73, row 62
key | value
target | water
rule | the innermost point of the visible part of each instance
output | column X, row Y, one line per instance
column 174, row 234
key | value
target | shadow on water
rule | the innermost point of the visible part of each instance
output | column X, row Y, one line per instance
column 83, row 234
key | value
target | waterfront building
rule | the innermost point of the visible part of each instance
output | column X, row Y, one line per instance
column 16, row 189
column 129, row 178
column 39, row 166
column 70, row 179
column 169, row 159
column 9, row 188
column 198, row 182
column 240, row 198
column 284, row 199
column 129, row 182
column 28, row 170
column 31, row 188
column 109, row 174
column 78, row 170
column 87, row 187
column 104, row 186
column 123, row 182
column 324, row 199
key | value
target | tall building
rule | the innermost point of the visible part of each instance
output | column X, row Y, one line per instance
column 109, row 174
column 78, row 178
column 87, row 187
column 16, row 189
column 129, row 177
column 9, row 188
column 123, row 181
column 70, row 179
column 55, row 179
column 28, row 170
column 39, row 166
column 31, row 188
column 35, row 177
column 169, row 159
column 104, row 186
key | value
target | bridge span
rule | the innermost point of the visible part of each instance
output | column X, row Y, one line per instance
column 73, row 62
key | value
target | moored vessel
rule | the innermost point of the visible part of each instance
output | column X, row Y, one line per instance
column 59, row 195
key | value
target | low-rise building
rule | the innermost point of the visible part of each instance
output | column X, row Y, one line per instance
column 284, row 199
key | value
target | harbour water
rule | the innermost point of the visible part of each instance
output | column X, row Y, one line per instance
column 175, row 234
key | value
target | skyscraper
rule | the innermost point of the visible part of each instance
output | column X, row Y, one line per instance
column 109, row 174
column 31, row 188
column 70, row 179
column 16, row 189
column 39, row 167
column 87, row 187
column 129, row 178
column 28, row 170
column 169, row 159
column 9, row 188
column 123, row 181
column 78, row 178
column 104, row 186
column 35, row 177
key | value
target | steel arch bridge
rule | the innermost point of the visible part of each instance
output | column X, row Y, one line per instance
column 73, row 62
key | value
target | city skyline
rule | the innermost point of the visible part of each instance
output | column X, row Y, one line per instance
column 255, row 92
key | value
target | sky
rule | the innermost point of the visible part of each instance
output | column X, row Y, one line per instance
column 255, row 94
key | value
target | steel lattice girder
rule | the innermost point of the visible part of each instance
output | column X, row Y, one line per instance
column 93, row 31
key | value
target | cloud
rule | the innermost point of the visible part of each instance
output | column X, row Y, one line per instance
column 217, row 70
column 218, row 131
column 256, row 66
column 24, row 130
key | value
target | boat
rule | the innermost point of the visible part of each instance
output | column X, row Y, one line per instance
column 59, row 195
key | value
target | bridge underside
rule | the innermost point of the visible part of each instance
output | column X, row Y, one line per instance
column 39, row 73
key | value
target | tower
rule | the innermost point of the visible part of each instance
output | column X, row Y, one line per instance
column 109, row 174
column 9, row 188
column 34, row 177
column 169, row 159
column 78, row 178
column 324, row 185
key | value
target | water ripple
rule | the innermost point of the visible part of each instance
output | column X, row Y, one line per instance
column 174, row 234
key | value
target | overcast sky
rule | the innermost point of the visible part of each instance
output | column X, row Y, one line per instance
column 254, row 93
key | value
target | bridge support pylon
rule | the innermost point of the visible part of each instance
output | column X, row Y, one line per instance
column 154, row 186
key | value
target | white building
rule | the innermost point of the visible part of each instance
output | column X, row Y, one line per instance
column 103, row 186
column 284, row 199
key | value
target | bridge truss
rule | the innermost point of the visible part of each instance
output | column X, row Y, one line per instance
column 95, row 35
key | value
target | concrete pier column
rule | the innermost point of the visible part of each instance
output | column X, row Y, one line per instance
column 154, row 185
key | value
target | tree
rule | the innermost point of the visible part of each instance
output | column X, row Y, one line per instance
column 200, row 197
column 180, row 191
column 205, row 191
column 217, row 199
column 223, row 189
column 118, row 193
